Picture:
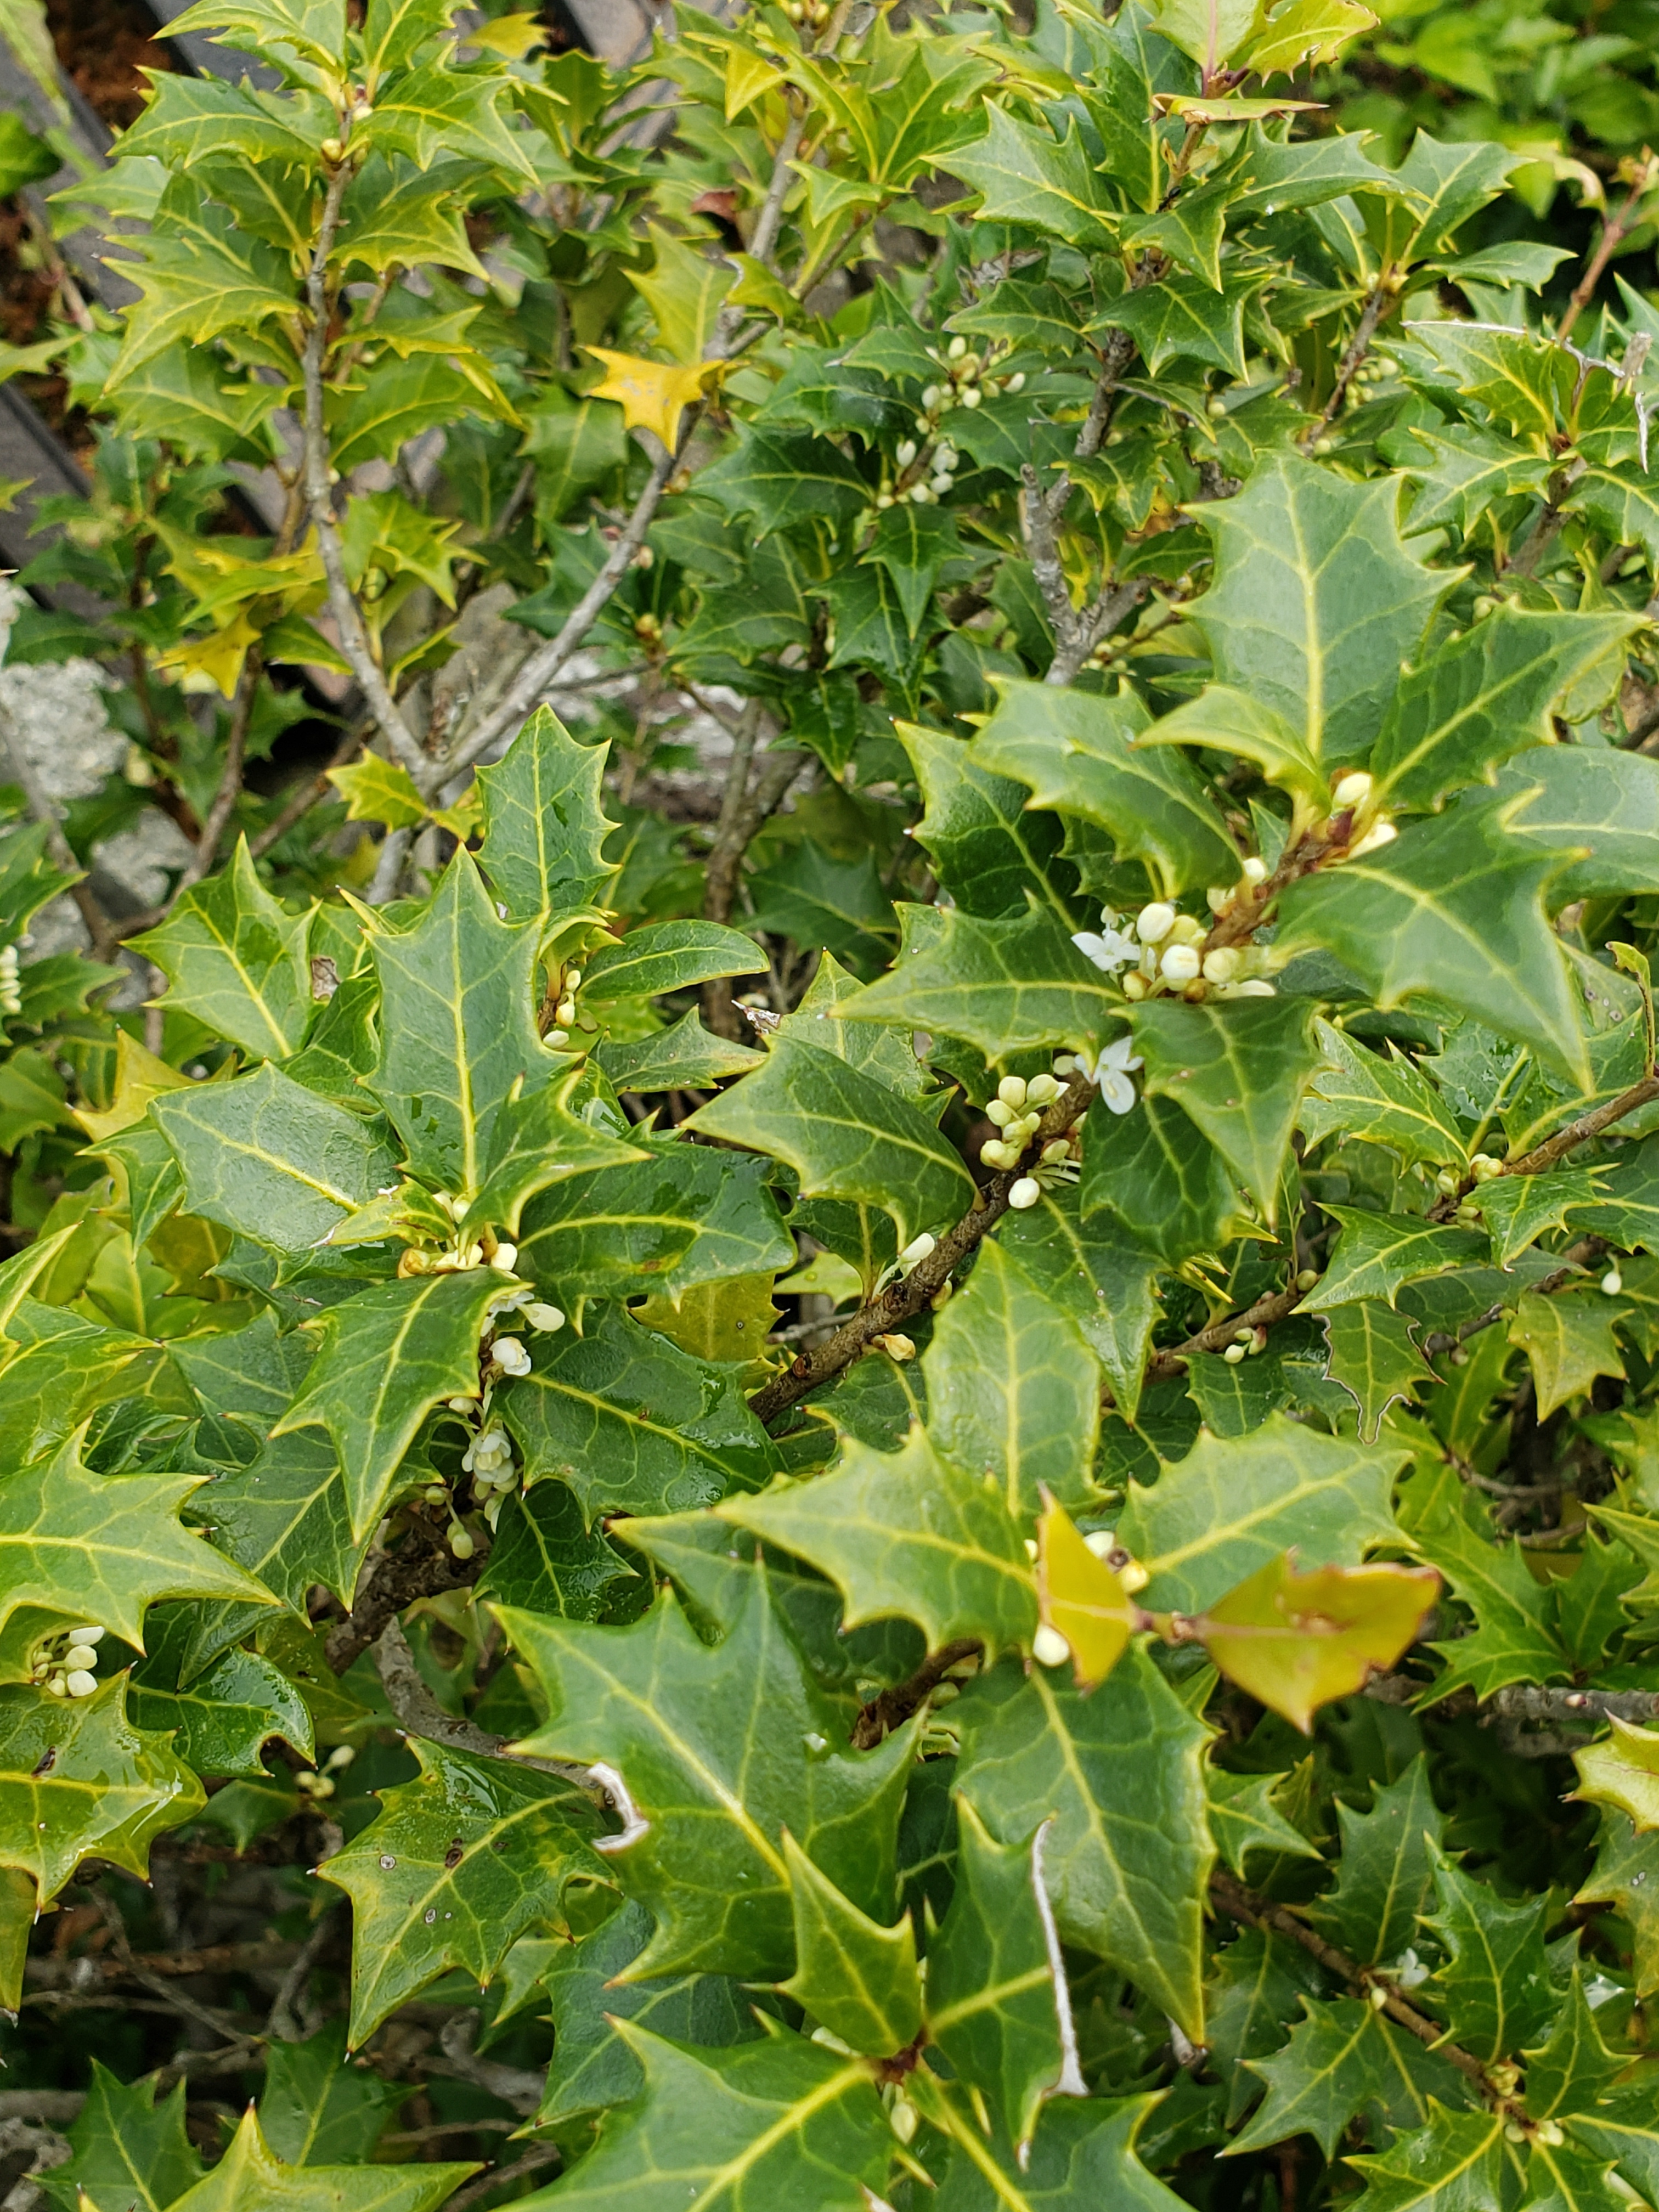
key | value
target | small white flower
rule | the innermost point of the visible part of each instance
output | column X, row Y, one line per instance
column 1180, row 963
column 1112, row 1072
column 505, row 1259
column 81, row 1684
column 1025, row 1193
column 1384, row 834
column 1109, row 949
column 542, row 1315
column 80, row 1658
column 1049, row 1648
column 510, row 1355
column 1154, row 922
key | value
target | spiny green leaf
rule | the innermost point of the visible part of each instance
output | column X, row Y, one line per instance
column 1488, row 694
column 1088, row 1270
column 631, row 1422
column 987, row 849
column 1513, row 1639
column 1453, row 907
column 669, row 956
column 84, row 1548
column 1016, row 1386
column 845, row 1134
column 545, row 1558
column 77, row 1778
column 1120, row 1771
column 1377, row 1253
column 1243, row 1818
column 387, row 1357
column 1024, row 176
column 1238, row 1071
column 1344, row 2058
column 456, row 1029
column 270, row 1159
column 223, row 1719
column 1454, row 2164
column 1160, row 1180
column 1230, row 1507
column 1568, row 1340
column 783, row 2121
column 1384, row 1099
column 128, row 2147
column 1078, row 754
column 537, row 1140
column 721, row 1750
column 854, row 1976
column 593, row 2068
column 236, row 961
column 1568, row 2073
column 454, row 1867
column 1602, row 805
column 1316, row 601
column 1495, row 1983
column 910, row 1534
column 998, row 2003
column 250, row 2179
column 1375, row 1357
column 1385, row 1869
column 545, row 822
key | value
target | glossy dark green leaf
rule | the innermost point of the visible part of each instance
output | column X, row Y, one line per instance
column 545, row 822
column 453, row 1867
column 237, row 962
column 1006, row 986
column 1237, row 1070
column 1159, row 1179
column 1386, row 1869
column 668, row 955
column 1344, row 2058
column 719, row 1749
column 1128, row 1857
column 853, row 1975
column 546, row 1559
column 128, row 2146
column 632, row 1424
column 1495, row 1984
column 1376, row 1359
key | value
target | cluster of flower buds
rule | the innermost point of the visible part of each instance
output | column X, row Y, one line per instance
column 1166, row 949
column 1017, row 1109
column 11, row 999
column 1482, row 1168
column 966, row 381
column 63, row 1664
column 810, row 14
column 320, row 1785
column 464, row 1254
column 1049, row 1647
column 932, row 478
column 1246, row 1342
column 1355, row 794
column 565, row 1015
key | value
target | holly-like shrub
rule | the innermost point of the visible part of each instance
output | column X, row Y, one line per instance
column 897, row 1388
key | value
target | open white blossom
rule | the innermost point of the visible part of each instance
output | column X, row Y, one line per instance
column 1109, row 949
column 1112, row 1072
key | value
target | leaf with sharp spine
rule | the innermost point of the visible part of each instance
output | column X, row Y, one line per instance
column 1343, row 2059
column 1237, row 1069
column 1376, row 1254
column 236, row 961
column 717, row 1748
column 855, row 1976
column 911, row 1534
column 1296, row 1641
column 1387, row 1100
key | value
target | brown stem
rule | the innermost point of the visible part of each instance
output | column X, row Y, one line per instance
column 423, row 1566
column 1253, row 1912
column 893, row 1707
column 341, row 600
column 1614, row 231
column 1220, row 1333
column 904, row 1298
column 1379, row 303
column 1586, row 1127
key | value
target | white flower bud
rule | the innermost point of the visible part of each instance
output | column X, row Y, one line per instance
column 1613, row 1282
column 923, row 494
column 565, row 1013
column 904, row 2119
column 542, row 1315
column 916, row 1250
column 1256, row 869
column 1049, row 1648
column 897, row 1346
column 1041, row 1091
column 342, row 1756
column 1053, row 1154
column 435, row 1494
column 940, row 486
column 1101, row 1542
column 883, row 501
column 1024, row 1193
column 946, row 459
column 90, row 1634
column 80, row 1684
column 1483, row 1167
column 80, row 1656
column 1016, row 382
column 1180, row 963
column 1221, row 966
column 970, row 395
column 1253, row 987
column 559, row 1038
column 1234, row 1354
column 1383, row 833
column 1184, row 930
column 930, row 397
column 510, row 1356
column 955, row 350
column 1353, row 790
column 1154, row 922
column 1000, row 1111
column 1446, row 1182
column 461, row 1543
column 57, row 1687
column 905, row 451
column 505, row 1259
column 1012, row 1090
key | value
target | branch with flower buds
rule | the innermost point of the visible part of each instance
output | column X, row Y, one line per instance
column 933, row 1263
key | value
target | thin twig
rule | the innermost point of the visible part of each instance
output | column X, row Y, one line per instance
column 105, row 936
column 1379, row 301
column 342, row 601
column 891, row 1708
column 280, row 2022
column 533, row 2161
column 1614, row 231
column 1586, row 1127
column 1253, row 1912
column 905, row 1297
